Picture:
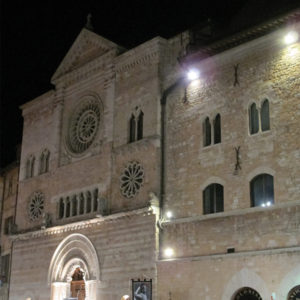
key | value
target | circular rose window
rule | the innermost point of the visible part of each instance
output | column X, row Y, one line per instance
column 36, row 205
column 132, row 179
column 83, row 126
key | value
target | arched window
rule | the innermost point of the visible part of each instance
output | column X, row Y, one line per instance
column 95, row 208
column 132, row 129
column 136, row 124
column 81, row 204
column 74, row 205
column 217, row 129
column 253, row 119
column 44, row 161
column 294, row 293
column 262, row 190
column 247, row 293
column 206, row 132
column 30, row 166
column 213, row 199
column 140, row 126
column 68, row 207
column 61, row 208
column 88, row 202
column 265, row 116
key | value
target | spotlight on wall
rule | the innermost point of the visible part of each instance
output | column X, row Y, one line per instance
column 291, row 37
column 169, row 252
column 193, row 74
column 169, row 214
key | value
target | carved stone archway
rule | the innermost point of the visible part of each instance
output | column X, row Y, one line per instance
column 75, row 252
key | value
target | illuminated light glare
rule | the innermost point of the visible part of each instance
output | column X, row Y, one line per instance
column 169, row 214
column 291, row 38
column 125, row 297
column 292, row 51
column 263, row 205
column 193, row 74
column 169, row 252
column 268, row 203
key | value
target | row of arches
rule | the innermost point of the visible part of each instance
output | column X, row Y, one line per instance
column 261, row 194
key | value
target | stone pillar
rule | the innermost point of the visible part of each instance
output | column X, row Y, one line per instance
column 58, row 106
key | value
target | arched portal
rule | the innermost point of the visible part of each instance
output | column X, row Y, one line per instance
column 294, row 293
column 75, row 253
column 247, row 293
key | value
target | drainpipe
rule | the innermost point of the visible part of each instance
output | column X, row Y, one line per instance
column 163, row 102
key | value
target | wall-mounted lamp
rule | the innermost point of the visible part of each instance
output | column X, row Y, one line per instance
column 193, row 74
column 169, row 214
column 169, row 252
column 291, row 37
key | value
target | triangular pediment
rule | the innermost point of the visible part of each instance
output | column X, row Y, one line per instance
column 87, row 46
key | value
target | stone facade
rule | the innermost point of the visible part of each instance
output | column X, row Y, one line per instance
column 122, row 139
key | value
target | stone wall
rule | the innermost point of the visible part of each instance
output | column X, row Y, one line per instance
column 125, row 246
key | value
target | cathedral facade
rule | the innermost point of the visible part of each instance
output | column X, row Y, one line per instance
column 137, row 183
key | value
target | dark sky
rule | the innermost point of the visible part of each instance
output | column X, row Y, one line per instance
column 35, row 36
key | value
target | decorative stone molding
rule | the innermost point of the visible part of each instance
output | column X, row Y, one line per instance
column 91, row 223
column 132, row 179
column 36, row 205
column 85, row 49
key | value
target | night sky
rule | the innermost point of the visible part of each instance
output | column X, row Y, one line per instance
column 36, row 35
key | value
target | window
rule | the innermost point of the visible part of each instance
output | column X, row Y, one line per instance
column 132, row 129
column 259, row 121
column 265, row 116
column 44, row 161
column 85, row 202
column 262, row 190
column 136, row 126
column 30, row 166
column 217, row 129
column 213, row 200
column 210, row 135
column 253, row 119
column 206, row 132
column 140, row 126
column 61, row 208
column 8, row 225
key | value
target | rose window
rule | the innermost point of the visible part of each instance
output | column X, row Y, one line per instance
column 132, row 179
column 84, row 125
column 36, row 205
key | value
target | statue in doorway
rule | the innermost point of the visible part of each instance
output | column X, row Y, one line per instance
column 77, row 275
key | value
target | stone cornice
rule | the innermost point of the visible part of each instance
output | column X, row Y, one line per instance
column 272, row 251
column 102, row 63
column 80, row 225
column 144, row 53
column 87, row 46
column 239, row 212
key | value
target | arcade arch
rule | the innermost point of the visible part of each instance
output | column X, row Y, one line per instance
column 74, row 255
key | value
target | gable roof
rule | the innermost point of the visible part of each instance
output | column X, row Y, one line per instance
column 87, row 46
